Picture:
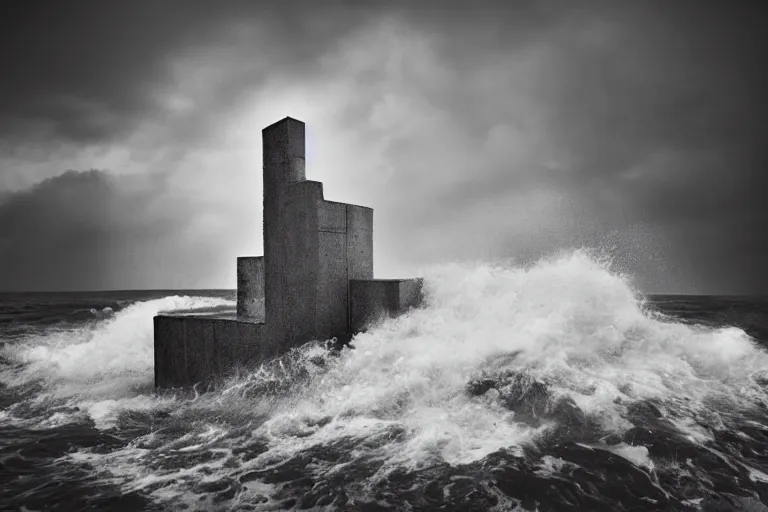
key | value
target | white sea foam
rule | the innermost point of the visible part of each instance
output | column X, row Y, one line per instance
column 637, row 455
column 575, row 326
column 566, row 322
column 102, row 367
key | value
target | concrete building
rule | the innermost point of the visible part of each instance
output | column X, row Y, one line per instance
column 314, row 282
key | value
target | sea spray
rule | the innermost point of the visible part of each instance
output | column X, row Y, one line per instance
column 506, row 374
column 98, row 366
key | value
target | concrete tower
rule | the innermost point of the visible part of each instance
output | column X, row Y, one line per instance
column 314, row 282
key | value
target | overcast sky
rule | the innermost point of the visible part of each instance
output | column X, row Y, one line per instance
column 130, row 134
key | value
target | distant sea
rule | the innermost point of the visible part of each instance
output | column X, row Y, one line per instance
column 551, row 387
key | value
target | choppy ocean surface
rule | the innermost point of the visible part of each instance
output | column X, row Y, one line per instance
column 551, row 387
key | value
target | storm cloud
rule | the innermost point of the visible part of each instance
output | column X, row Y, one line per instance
column 91, row 230
column 496, row 130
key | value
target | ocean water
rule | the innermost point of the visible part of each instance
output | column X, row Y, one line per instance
column 551, row 387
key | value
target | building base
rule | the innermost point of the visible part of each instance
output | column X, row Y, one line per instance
column 201, row 348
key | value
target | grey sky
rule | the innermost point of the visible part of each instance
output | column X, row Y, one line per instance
column 507, row 129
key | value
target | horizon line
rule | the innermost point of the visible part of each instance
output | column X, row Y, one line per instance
column 667, row 294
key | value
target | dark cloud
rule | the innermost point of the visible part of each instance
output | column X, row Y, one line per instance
column 90, row 230
column 92, row 70
column 83, row 69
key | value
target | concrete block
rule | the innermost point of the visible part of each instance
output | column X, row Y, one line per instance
column 225, row 335
column 201, row 350
column 284, row 150
column 170, row 352
column 332, row 284
column 291, row 266
column 359, row 242
column 411, row 294
column 333, row 217
column 238, row 345
column 371, row 300
column 200, row 357
column 250, row 345
column 250, row 288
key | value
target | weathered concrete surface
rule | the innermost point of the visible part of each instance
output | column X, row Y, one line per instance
column 193, row 350
column 359, row 242
column 371, row 300
column 250, row 288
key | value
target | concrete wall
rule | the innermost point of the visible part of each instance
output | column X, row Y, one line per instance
column 312, row 247
column 371, row 300
column 195, row 350
column 331, row 319
column 359, row 242
column 346, row 252
column 284, row 227
column 292, row 280
column 250, row 288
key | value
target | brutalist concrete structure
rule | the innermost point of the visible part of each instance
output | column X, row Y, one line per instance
column 314, row 282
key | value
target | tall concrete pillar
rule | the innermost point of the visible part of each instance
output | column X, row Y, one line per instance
column 290, row 236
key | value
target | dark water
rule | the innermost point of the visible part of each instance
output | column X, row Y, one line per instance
column 551, row 388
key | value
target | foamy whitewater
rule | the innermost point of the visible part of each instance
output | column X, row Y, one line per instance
column 551, row 387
